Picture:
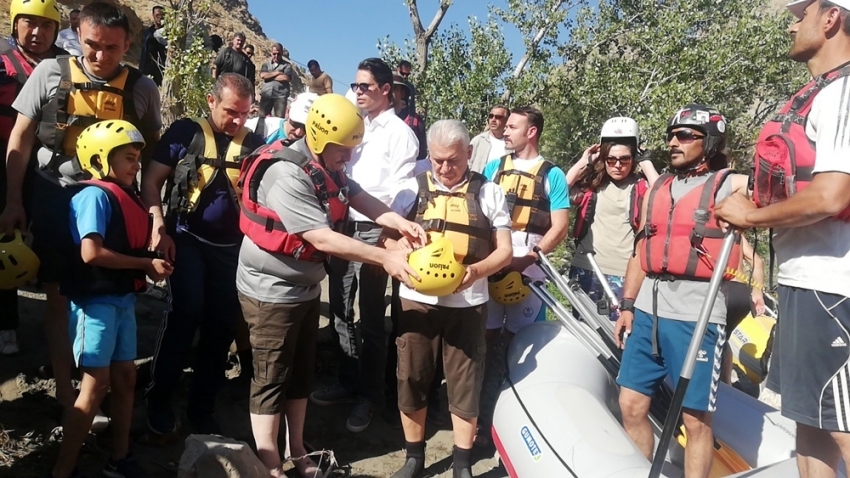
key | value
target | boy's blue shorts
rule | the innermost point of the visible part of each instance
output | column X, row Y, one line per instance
column 642, row 372
column 102, row 333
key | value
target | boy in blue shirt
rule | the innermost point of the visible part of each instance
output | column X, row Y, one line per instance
column 111, row 231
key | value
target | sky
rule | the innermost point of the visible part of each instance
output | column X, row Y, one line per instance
column 340, row 33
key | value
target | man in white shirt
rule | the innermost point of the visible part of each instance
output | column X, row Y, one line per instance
column 69, row 39
column 491, row 143
column 384, row 160
column 811, row 236
column 476, row 221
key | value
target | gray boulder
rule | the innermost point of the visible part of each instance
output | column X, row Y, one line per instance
column 213, row 456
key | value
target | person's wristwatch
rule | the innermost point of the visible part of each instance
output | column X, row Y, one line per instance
column 627, row 305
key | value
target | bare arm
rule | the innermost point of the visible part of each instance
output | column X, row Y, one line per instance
column 649, row 171
column 577, row 169
column 379, row 212
column 94, row 253
column 554, row 236
column 827, row 195
column 635, row 276
column 152, row 182
column 18, row 155
column 754, row 260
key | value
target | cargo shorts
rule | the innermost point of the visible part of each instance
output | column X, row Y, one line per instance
column 423, row 330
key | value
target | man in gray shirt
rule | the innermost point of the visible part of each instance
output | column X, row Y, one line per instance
column 667, row 281
column 39, row 110
column 306, row 197
column 275, row 74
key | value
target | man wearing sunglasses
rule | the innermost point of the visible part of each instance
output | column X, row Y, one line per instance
column 666, row 283
column 491, row 143
column 809, row 213
column 380, row 164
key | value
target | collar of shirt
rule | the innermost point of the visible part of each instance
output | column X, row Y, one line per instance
column 452, row 189
column 380, row 120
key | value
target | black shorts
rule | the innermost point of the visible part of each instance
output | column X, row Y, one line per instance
column 815, row 355
column 51, row 228
column 738, row 303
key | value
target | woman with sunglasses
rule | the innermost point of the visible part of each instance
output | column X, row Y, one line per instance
column 609, row 190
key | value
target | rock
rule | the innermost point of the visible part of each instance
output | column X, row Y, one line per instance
column 213, row 456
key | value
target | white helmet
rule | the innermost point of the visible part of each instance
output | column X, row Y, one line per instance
column 621, row 127
column 299, row 107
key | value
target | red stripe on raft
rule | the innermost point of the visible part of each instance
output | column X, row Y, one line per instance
column 509, row 467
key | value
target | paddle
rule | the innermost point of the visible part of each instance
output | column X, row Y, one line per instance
column 690, row 359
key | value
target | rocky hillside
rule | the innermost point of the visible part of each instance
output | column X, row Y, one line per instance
column 226, row 19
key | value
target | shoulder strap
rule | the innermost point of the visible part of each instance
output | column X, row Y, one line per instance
column 261, row 127
column 62, row 94
column 130, row 113
column 204, row 140
column 13, row 58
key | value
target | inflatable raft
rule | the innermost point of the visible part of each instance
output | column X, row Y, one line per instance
column 558, row 416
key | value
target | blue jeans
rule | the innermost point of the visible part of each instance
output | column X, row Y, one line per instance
column 203, row 289
column 362, row 362
column 589, row 283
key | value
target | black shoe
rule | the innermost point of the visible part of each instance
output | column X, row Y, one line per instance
column 413, row 467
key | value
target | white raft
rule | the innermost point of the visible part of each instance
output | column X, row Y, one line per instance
column 558, row 416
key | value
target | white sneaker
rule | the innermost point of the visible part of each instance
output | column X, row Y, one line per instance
column 100, row 422
column 9, row 342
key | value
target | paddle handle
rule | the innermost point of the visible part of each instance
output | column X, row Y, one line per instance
column 612, row 297
column 690, row 359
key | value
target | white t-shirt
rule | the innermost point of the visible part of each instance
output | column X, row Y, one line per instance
column 68, row 40
column 494, row 207
column 817, row 257
column 384, row 159
column 273, row 124
column 497, row 147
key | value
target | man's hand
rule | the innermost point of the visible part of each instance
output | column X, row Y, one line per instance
column 397, row 267
column 413, row 232
column 758, row 302
column 13, row 217
column 159, row 269
column 734, row 210
column 522, row 263
column 469, row 278
column 162, row 242
column 623, row 327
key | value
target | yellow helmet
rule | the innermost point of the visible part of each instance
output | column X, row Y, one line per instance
column 18, row 263
column 507, row 289
column 39, row 8
column 100, row 139
column 437, row 268
column 333, row 120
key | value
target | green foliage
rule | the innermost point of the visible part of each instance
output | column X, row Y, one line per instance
column 187, row 76
column 645, row 59
column 466, row 71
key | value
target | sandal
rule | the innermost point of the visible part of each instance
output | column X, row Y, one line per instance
column 307, row 468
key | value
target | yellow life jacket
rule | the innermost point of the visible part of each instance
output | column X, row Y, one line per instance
column 78, row 103
column 198, row 169
column 456, row 216
column 525, row 193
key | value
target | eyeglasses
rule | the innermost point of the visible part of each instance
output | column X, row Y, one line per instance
column 498, row 117
column 613, row 160
column 684, row 136
column 363, row 87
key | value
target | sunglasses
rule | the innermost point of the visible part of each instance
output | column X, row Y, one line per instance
column 684, row 136
column 296, row 125
column 613, row 160
column 363, row 87
column 498, row 117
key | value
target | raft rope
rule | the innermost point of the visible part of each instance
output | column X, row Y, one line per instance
column 741, row 276
column 534, row 423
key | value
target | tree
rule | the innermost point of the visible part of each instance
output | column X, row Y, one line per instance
column 422, row 36
column 646, row 58
column 187, row 78
column 465, row 72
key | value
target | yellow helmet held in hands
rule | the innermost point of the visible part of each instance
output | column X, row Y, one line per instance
column 39, row 8
column 100, row 139
column 507, row 289
column 18, row 263
column 333, row 120
column 437, row 268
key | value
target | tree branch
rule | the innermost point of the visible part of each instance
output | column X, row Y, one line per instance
column 414, row 18
column 438, row 17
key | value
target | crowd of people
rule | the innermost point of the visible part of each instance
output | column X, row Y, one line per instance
column 244, row 221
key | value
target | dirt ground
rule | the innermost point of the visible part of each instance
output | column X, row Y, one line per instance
column 29, row 414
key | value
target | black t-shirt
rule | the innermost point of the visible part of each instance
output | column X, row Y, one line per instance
column 216, row 219
column 232, row 61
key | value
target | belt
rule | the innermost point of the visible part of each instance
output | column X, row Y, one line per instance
column 365, row 226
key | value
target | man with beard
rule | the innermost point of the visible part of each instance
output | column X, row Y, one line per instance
column 809, row 214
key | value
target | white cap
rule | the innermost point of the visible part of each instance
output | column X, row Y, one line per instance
column 621, row 127
column 797, row 7
column 301, row 106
